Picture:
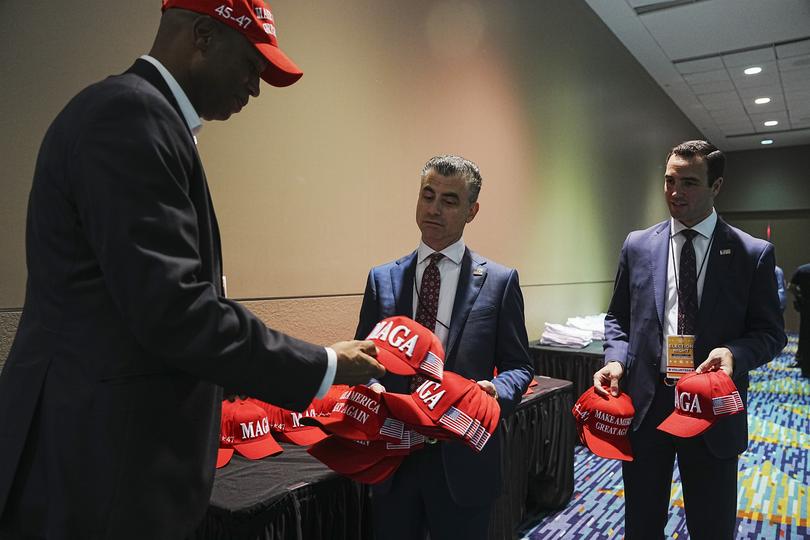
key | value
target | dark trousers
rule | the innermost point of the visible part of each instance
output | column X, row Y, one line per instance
column 419, row 504
column 709, row 483
column 803, row 349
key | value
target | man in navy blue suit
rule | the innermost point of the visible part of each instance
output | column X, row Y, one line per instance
column 691, row 279
column 446, row 489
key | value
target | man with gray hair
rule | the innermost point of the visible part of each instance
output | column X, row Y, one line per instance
column 475, row 307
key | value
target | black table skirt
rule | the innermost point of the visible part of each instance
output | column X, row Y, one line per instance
column 293, row 496
column 575, row 365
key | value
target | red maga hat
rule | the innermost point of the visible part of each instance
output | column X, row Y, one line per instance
column 701, row 399
column 358, row 414
column 603, row 424
column 287, row 426
column 252, row 19
column 405, row 347
column 455, row 408
column 245, row 428
column 365, row 461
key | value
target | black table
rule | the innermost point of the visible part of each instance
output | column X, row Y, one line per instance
column 575, row 365
column 293, row 496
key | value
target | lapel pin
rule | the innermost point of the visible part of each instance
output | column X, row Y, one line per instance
column 478, row 271
column 725, row 252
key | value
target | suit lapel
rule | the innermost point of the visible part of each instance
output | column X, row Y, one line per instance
column 402, row 276
column 716, row 267
column 659, row 251
column 471, row 278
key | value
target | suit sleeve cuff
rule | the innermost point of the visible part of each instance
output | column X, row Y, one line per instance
column 329, row 376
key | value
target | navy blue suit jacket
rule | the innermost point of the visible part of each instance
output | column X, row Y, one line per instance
column 487, row 331
column 739, row 309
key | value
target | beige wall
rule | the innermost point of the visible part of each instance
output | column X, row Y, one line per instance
column 315, row 183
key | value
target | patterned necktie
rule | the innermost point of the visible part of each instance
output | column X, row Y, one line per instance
column 429, row 293
column 428, row 303
column 687, row 286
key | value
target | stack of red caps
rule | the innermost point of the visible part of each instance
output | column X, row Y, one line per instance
column 603, row 424
column 405, row 347
column 455, row 408
column 287, row 425
column 701, row 399
column 245, row 428
column 369, row 462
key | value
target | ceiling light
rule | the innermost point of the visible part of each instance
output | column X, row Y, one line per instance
column 766, row 141
column 753, row 70
column 770, row 123
column 762, row 100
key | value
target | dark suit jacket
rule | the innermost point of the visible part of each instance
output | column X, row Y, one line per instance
column 487, row 331
column 739, row 309
column 109, row 400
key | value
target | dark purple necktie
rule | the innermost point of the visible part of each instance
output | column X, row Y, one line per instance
column 687, row 286
column 428, row 302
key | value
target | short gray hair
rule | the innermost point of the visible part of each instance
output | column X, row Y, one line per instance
column 452, row 166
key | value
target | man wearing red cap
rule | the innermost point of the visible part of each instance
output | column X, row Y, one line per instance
column 475, row 307
column 110, row 398
column 692, row 294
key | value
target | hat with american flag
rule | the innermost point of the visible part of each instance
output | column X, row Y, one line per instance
column 701, row 399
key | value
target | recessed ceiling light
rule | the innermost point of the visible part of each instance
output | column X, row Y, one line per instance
column 766, row 141
column 753, row 70
column 770, row 123
column 762, row 100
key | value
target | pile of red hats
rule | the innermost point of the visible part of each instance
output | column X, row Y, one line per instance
column 244, row 428
column 371, row 433
column 286, row 425
column 701, row 399
column 603, row 424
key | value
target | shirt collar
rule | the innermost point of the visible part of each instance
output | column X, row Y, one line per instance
column 454, row 252
column 189, row 114
column 705, row 227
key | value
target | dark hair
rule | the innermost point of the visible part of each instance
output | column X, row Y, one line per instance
column 452, row 166
column 715, row 159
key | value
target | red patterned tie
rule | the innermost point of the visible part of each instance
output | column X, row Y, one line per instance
column 428, row 302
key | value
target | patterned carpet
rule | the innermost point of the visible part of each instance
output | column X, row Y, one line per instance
column 774, row 473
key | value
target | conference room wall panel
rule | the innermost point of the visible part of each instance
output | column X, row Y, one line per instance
column 315, row 183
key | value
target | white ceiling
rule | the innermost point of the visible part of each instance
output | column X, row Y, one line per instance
column 696, row 50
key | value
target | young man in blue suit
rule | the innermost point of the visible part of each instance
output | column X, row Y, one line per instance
column 446, row 489
column 110, row 399
column 719, row 293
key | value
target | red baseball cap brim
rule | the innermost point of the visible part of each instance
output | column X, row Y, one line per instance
column 259, row 449
column 685, row 426
column 617, row 448
column 280, row 71
column 224, row 456
column 344, row 456
column 338, row 425
column 306, row 436
column 378, row 472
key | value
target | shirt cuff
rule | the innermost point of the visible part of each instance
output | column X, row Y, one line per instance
column 329, row 376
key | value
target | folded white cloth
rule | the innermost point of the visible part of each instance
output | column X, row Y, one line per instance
column 565, row 336
column 594, row 323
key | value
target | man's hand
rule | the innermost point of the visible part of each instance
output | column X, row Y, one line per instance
column 608, row 376
column 719, row 358
column 489, row 388
column 356, row 363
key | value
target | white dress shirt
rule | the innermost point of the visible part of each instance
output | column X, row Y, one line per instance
column 449, row 270
column 194, row 124
column 701, row 243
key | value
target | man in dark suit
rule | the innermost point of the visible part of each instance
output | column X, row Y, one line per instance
column 800, row 287
column 697, row 277
column 475, row 307
column 110, row 398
